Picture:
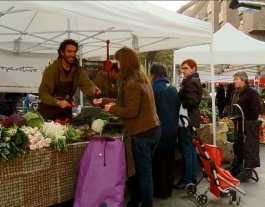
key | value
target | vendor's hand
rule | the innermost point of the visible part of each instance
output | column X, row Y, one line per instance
column 97, row 101
column 107, row 106
column 63, row 104
column 97, row 91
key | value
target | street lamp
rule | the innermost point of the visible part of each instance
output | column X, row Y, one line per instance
column 247, row 6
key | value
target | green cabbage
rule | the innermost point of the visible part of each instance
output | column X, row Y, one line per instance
column 34, row 119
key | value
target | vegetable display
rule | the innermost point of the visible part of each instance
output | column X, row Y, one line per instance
column 34, row 119
column 56, row 132
column 12, row 142
column 18, row 120
column 6, row 121
column 29, row 132
column 262, row 130
column 35, row 138
column 97, row 125
column 206, row 114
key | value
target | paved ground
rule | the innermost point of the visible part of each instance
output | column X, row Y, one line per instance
column 255, row 196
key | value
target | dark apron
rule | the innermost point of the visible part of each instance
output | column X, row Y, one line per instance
column 63, row 90
column 113, row 91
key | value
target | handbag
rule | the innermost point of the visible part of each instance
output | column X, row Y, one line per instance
column 183, row 112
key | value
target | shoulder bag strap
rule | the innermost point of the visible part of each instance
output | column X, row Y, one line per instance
column 158, row 96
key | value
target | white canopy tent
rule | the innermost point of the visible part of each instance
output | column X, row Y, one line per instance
column 232, row 50
column 40, row 26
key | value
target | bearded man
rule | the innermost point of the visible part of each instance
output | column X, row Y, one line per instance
column 59, row 83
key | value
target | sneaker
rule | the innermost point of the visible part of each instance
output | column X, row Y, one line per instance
column 180, row 186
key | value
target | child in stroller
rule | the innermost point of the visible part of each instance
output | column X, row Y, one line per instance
column 221, row 181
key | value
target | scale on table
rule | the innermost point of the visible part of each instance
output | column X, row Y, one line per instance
column 88, row 111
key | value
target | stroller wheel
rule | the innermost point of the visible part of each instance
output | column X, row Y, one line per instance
column 202, row 200
column 191, row 189
column 238, row 198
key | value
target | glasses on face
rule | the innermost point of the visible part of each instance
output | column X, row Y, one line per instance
column 185, row 68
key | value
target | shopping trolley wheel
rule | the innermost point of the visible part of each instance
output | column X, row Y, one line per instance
column 238, row 198
column 202, row 200
column 191, row 189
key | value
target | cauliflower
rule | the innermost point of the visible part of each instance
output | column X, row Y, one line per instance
column 97, row 125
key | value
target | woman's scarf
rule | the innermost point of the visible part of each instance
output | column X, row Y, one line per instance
column 236, row 97
column 120, row 94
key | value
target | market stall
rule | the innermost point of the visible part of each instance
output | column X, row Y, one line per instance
column 40, row 160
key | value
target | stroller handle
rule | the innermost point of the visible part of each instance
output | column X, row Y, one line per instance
column 182, row 119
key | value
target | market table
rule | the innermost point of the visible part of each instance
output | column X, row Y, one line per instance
column 44, row 177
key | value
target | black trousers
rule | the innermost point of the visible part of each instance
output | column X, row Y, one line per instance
column 163, row 172
column 248, row 151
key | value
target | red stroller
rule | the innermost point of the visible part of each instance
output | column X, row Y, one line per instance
column 221, row 181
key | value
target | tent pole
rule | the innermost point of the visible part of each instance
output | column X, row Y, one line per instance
column 213, row 94
column 80, row 50
column 258, row 83
column 68, row 27
column 174, row 70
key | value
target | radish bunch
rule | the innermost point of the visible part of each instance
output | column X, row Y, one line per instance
column 35, row 138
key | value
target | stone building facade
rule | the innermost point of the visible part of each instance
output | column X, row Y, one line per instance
column 218, row 14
